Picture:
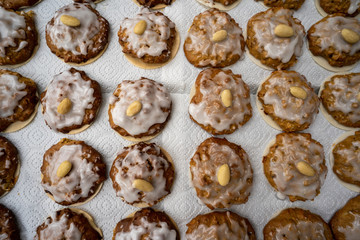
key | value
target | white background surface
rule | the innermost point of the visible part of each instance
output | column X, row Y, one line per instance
column 180, row 137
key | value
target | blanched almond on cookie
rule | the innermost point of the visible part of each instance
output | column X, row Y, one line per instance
column 284, row 31
column 226, row 97
column 350, row 36
column 70, row 20
column 219, row 36
column 134, row 108
column 305, row 169
column 64, row 169
column 223, row 175
column 142, row 185
column 298, row 92
column 64, row 106
column 140, row 27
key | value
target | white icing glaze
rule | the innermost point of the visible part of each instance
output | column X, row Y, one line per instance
column 80, row 177
column 135, row 166
column 59, row 229
column 354, row 5
column 158, row 231
column 12, row 27
column 72, row 86
column 276, row 47
column 77, row 40
column 211, row 111
column 285, row 105
column 344, row 94
column 240, row 170
column 303, row 230
column 4, row 236
column 2, row 151
column 329, row 33
column 352, row 231
column 210, row 22
column 229, row 230
column 153, row 40
column 153, row 96
column 287, row 178
column 10, row 94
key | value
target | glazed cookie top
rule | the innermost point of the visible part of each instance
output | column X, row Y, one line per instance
column 72, row 171
column 67, row 224
column 278, row 33
column 348, row 7
column 221, row 173
column 329, row 33
column 9, row 162
column 295, row 166
column 220, row 225
column 153, row 3
column 296, row 223
column 8, row 225
column 139, row 107
column 70, row 101
column 221, row 101
column 287, row 95
column 341, row 95
column 213, row 38
column 146, row 224
column 136, row 167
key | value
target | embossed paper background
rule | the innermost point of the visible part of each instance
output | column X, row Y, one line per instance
column 180, row 137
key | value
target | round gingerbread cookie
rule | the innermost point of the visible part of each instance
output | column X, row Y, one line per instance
column 149, row 40
column 287, row 101
column 72, row 172
column 275, row 38
column 9, row 166
column 154, row 4
column 297, row 223
column 71, row 101
column 223, row 5
column 345, row 224
column 214, row 39
column 146, row 224
column 18, row 101
column 219, row 225
column 294, row 165
column 19, row 38
column 289, row 4
column 18, row 4
column 221, row 101
column 77, row 34
column 334, row 42
column 69, row 223
column 142, row 174
column 349, row 8
column 221, row 173
column 9, row 229
column 139, row 110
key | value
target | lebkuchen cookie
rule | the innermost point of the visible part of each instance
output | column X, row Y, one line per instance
column 9, row 229
column 350, row 8
column 18, row 4
column 289, row 4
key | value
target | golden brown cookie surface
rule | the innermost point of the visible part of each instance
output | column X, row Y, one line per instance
column 8, row 225
column 349, row 8
column 9, row 165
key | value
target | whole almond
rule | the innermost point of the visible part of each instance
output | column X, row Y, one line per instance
column 140, row 27
column 142, row 185
column 283, row 31
column 305, row 169
column 298, row 92
column 70, row 20
column 64, row 169
column 64, row 106
column 223, row 175
column 226, row 97
column 219, row 36
column 134, row 108
column 350, row 36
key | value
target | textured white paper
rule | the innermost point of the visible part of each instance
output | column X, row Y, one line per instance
column 180, row 137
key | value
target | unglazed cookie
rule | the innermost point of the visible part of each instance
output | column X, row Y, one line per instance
column 9, row 166
column 275, row 38
column 9, row 229
column 219, row 225
column 349, row 8
column 149, row 37
column 146, row 224
column 214, row 39
column 19, row 37
column 341, row 100
column 18, row 4
column 139, row 110
column 77, row 33
column 142, row 174
column 18, row 101
column 221, row 173
column 297, row 223
column 221, row 101
column 295, row 166
column 345, row 224
column 72, row 172
column 289, row 4
column 71, row 101
column 287, row 101
column 69, row 224
column 335, row 39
